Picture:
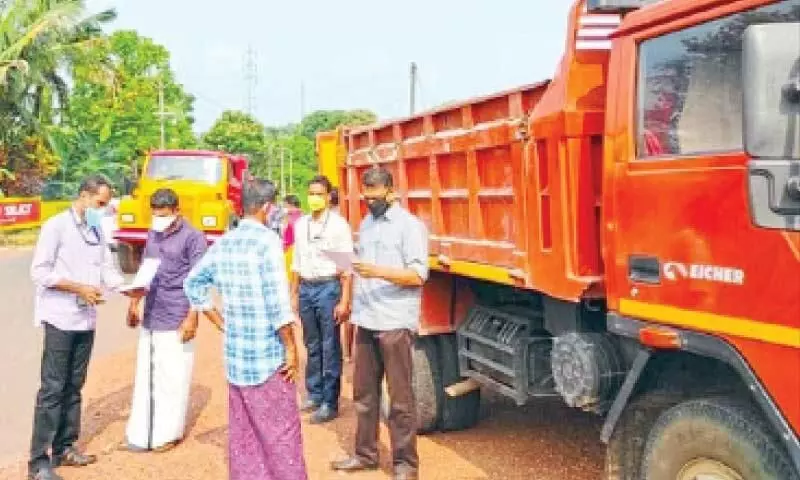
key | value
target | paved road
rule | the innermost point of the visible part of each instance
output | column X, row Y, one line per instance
column 542, row 441
column 22, row 346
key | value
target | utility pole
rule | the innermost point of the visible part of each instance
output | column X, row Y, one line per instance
column 291, row 175
column 250, row 80
column 283, row 177
column 413, row 87
column 162, row 114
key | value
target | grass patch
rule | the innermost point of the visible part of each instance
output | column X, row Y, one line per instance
column 19, row 238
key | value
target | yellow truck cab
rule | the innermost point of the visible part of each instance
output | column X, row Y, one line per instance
column 209, row 186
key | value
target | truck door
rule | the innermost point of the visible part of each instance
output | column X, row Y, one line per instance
column 687, row 250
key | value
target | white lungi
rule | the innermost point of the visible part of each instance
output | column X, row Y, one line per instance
column 160, row 401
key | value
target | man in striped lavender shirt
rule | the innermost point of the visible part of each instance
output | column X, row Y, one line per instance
column 72, row 267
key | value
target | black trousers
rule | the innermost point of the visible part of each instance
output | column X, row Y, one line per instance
column 57, row 417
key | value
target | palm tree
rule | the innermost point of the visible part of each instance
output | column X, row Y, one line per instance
column 39, row 43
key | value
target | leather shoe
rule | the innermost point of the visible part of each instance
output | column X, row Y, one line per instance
column 71, row 457
column 44, row 473
column 323, row 415
column 404, row 474
column 353, row 464
column 309, row 406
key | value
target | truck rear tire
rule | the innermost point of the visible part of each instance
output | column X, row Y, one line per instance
column 129, row 257
column 427, row 381
column 458, row 413
column 715, row 437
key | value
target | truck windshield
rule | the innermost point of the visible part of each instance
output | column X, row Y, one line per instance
column 198, row 168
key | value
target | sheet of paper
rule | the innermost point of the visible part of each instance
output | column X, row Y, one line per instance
column 147, row 271
column 343, row 260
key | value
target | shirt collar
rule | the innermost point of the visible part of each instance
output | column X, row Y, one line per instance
column 179, row 223
column 251, row 222
column 392, row 212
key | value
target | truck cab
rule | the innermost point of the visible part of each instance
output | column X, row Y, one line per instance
column 209, row 187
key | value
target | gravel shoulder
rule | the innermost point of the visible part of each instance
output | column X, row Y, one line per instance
column 544, row 441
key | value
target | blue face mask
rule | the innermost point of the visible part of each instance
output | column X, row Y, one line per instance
column 94, row 217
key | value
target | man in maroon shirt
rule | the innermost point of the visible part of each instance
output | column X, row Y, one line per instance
column 166, row 351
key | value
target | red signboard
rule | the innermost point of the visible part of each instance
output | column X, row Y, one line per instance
column 14, row 212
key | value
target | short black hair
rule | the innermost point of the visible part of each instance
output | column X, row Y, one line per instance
column 321, row 180
column 292, row 200
column 164, row 198
column 93, row 183
column 258, row 193
column 377, row 176
column 334, row 197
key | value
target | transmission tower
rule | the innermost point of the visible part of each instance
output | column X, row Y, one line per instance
column 250, row 80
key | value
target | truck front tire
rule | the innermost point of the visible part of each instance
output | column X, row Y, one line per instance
column 129, row 257
column 718, row 438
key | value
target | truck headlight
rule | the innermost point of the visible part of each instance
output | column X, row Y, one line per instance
column 127, row 218
column 209, row 221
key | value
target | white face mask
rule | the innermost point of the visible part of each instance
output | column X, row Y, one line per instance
column 161, row 224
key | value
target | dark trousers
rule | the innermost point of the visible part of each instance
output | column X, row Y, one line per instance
column 379, row 353
column 321, row 338
column 57, row 417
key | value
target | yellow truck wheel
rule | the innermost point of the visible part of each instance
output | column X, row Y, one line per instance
column 129, row 257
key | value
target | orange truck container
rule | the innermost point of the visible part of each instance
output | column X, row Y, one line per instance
column 625, row 236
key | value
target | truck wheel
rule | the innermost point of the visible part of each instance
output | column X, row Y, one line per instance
column 458, row 413
column 427, row 381
column 129, row 258
column 714, row 438
column 625, row 448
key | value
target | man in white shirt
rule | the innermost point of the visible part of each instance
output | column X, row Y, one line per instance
column 321, row 296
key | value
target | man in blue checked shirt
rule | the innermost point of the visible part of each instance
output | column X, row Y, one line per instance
column 248, row 269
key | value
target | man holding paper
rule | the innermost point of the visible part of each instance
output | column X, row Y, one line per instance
column 72, row 267
column 166, row 353
column 321, row 296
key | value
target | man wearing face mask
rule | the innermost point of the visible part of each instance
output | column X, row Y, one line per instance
column 321, row 296
column 166, row 351
column 247, row 268
column 71, row 268
column 392, row 267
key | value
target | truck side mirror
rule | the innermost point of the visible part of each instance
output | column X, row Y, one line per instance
column 771, row 87
column 127, row 186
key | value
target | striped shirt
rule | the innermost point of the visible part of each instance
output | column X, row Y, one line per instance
column 246, row 266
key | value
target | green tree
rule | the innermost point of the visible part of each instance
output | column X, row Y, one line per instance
column 121, row 116
column 39, row 41
column 324, row 120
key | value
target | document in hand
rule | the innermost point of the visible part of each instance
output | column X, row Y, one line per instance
column 147, row 271
column 343, row 260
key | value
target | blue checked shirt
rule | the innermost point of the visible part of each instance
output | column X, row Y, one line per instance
column 248, row 269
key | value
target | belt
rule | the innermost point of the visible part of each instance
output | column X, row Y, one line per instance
column 320, row 280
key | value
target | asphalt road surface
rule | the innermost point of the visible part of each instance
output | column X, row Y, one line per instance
column 20, row 355
column 541, row 441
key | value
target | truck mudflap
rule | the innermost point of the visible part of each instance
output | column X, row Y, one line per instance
column 708, row 346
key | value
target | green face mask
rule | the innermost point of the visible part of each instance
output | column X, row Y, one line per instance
column 316, row 203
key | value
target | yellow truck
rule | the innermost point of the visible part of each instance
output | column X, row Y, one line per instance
column 209, row 185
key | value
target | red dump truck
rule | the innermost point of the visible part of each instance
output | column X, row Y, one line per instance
column 625, row 236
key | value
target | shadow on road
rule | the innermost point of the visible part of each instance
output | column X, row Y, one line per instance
column 103, row 412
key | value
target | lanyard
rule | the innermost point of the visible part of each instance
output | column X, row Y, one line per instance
column 92, row 243
column 319, row 235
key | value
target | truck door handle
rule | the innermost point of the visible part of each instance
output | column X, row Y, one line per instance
column 644, row 269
